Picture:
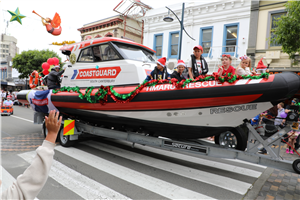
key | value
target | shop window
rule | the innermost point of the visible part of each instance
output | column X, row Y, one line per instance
column 274, row 18
column 230, row 39
column 206, row 39
column 173, row 44
column 158, row 43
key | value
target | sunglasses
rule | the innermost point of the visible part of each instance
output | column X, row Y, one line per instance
column 225, row 55
column 293, row 101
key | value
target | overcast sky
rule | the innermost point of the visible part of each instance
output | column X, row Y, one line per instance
column 74, row 14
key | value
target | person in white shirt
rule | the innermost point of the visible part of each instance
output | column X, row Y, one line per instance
column 30, row 183
column 244, row 67
column 197, row 65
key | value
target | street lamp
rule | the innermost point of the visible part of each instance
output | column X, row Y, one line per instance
column 170, row 19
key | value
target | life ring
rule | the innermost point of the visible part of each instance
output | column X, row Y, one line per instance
column 34, row 75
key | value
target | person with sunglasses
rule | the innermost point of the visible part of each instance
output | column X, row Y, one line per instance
column 226, row 67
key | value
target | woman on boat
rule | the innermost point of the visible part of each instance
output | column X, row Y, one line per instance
column 226, row 67
column 179, row 73
column 244, row 66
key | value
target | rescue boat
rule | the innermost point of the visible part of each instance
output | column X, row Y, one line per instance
column 198, row 110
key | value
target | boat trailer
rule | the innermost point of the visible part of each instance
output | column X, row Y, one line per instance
column 255, row 143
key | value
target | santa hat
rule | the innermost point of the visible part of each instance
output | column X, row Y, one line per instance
column 180, row 62
column 162, row 61
column 261, row 65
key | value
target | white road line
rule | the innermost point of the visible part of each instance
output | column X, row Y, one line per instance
column 22, row 118
column 158, row 186
column 245, row 162
column 7, row 180
column 227, row 183
column 76, row 182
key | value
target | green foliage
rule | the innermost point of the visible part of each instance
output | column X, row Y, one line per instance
column 288, row 31
column 31, row 60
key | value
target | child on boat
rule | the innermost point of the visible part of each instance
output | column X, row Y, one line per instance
column 226, row 67
column 197, row 65
column 179, row 73
column 160, row 71
column 261, row 68
column 244, row 66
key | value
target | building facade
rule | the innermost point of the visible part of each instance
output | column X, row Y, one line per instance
column 113, row 27
column 8, row 50
column 220, row 27
column 263, row 16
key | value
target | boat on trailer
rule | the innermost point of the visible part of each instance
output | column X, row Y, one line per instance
column 116, row 69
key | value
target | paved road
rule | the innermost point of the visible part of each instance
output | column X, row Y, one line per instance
column 100, row 168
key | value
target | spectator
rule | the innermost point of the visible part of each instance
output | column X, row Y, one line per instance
column 8, row 102
column 244, row 66
column 53, row 80
column 179, row 73
column 160, row 71
column 3, row 95
column 226, row 67
column 279, row 120
column 197, row 65
column 29, row 184
column 292, row 140
column 256, row 122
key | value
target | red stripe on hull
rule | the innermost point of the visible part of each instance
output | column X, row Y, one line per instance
column 158, row 105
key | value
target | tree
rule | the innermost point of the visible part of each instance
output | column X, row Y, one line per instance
column 287, row 32
column 31, row 60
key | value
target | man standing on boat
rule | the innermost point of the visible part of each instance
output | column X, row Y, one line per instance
column 53, row 80
column 197, row 65
column 160, row 71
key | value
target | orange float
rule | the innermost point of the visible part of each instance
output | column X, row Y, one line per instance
column 34, row 75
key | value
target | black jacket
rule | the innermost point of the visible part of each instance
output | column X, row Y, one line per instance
column 176, row 75
column 53, row 79
column 203, row 66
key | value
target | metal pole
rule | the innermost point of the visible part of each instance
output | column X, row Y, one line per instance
column 181, row 29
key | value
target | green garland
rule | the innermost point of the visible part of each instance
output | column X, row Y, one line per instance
column 102, row 93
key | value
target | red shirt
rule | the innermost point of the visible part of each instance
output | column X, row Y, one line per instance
column 229, row 70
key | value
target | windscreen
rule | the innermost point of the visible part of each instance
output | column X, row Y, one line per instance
column 136, row 53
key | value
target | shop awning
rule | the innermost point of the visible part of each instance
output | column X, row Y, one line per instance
column 11, row 83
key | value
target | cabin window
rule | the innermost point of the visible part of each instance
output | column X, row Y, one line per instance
column 86, row 55
column 136, row 53
column 104, row 52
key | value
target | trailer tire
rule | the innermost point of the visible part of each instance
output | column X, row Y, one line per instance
column 64, row 140
column 236, row 135
column 296, row 166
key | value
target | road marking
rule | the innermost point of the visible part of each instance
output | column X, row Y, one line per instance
column 9, row 180
column 76, row 182
column 158, row 186
column 22, row 118
column 227, row 183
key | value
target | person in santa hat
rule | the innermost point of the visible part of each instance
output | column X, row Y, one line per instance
column 197, row 65
column 179, row 73
column 261, row 68
column 160, row 71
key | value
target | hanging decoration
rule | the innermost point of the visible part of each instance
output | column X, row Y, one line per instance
column 103, row 92
column 16, row 16
column 73, row 58
column 63, row 42
column 52, row 25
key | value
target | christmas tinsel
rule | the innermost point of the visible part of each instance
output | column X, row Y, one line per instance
column 104, row 91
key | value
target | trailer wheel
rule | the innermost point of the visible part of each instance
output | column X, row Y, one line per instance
column 296, row 166
column 64, row 140
column 235, row 139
